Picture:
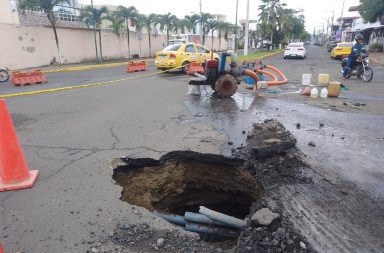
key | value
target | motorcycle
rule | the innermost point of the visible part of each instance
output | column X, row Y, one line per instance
column 4, row 76
column 361, row 69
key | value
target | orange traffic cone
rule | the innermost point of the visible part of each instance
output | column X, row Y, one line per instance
column 14, row 173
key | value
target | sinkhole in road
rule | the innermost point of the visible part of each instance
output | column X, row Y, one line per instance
column 182, row 181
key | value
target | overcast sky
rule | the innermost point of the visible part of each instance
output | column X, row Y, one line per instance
column 316, row 12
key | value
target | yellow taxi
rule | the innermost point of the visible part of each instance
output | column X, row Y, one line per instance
column 180, row 55
column 341, row 49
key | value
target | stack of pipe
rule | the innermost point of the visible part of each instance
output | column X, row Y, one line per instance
column 207, row 222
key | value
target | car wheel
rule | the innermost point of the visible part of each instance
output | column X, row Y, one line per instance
column 184, row 67
column 285, row 57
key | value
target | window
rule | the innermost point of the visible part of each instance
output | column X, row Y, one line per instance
column 201, row 49
column 190, row 49
column 174, row 47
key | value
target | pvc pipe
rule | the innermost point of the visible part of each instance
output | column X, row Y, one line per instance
column 229, row 220
column 201, row 218
column 203, row 229
column 233, row 56
column 224, row 55
column 177, row 219
column 222, row 62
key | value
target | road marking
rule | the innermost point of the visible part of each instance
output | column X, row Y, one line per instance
column 102, row 83
column 82, row 86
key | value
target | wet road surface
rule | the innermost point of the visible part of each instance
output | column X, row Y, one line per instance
column 72, row 136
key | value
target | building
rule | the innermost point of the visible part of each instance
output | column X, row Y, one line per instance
column 67, row 15
column 372, row 32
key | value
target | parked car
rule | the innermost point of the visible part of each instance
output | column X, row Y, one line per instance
column 295, row 50
column 180, row 55
column 341, row 49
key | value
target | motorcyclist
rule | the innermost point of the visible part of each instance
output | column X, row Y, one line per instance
column 357, row 49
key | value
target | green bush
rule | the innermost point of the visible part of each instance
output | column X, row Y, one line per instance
column 376, row 47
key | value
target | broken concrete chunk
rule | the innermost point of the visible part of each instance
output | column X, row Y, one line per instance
column 264, row 217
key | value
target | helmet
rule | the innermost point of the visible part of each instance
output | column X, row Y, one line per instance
column 359, row 37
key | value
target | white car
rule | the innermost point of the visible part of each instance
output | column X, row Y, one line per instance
column 295, row 50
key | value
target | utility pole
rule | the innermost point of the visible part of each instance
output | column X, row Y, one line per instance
column 237, row 5
column 246, row 31
column 201, row 25
column 94, row 34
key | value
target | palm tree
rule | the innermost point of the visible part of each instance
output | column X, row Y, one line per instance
column 166, row 21
column 221, row 27
column 146, row 21
column 98, row 15
column 204, row 20
column 192, row 21
column 129, row 14
column 47, row 7
column 269, row 14
column 212, row 25
column 181, row 25
column 228, row 28
column 116, row 22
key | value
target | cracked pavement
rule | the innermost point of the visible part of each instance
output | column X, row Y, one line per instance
column 71, row 137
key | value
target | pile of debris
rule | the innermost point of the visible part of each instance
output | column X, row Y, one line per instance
column 180, row 185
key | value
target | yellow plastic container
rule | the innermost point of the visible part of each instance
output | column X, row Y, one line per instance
column 323, row 79
column 333, row 89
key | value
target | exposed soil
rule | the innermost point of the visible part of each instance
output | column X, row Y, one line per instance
column 182, row 180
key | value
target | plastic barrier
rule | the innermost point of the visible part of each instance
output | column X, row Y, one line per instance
column 195, row 67
column 14, row 172
column 26, row 78
column 137, row 66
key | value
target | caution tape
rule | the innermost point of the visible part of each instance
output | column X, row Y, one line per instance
column 102, row 83
column 84, row 85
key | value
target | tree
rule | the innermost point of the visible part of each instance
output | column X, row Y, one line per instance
column 192, row 21
column 166, row 21
column 181, row 25
column 228, row 28
column 116, row 22
column 371, row 10
column 204, row 20
column 144, row 21
column 47, row 7
column 96, row 16
column 129, row 14
column 212, row 25
column 269, row 15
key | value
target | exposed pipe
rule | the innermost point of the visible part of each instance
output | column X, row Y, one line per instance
column 223, row 58
column 177, row 219
column 201, row 218
column 210, row 230
column 229, row 220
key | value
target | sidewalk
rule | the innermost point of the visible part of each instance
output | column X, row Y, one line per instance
column 377, row 58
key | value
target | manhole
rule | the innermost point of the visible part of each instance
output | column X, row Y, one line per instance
column 182, row 181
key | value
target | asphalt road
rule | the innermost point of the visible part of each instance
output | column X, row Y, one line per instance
column 71, row 136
